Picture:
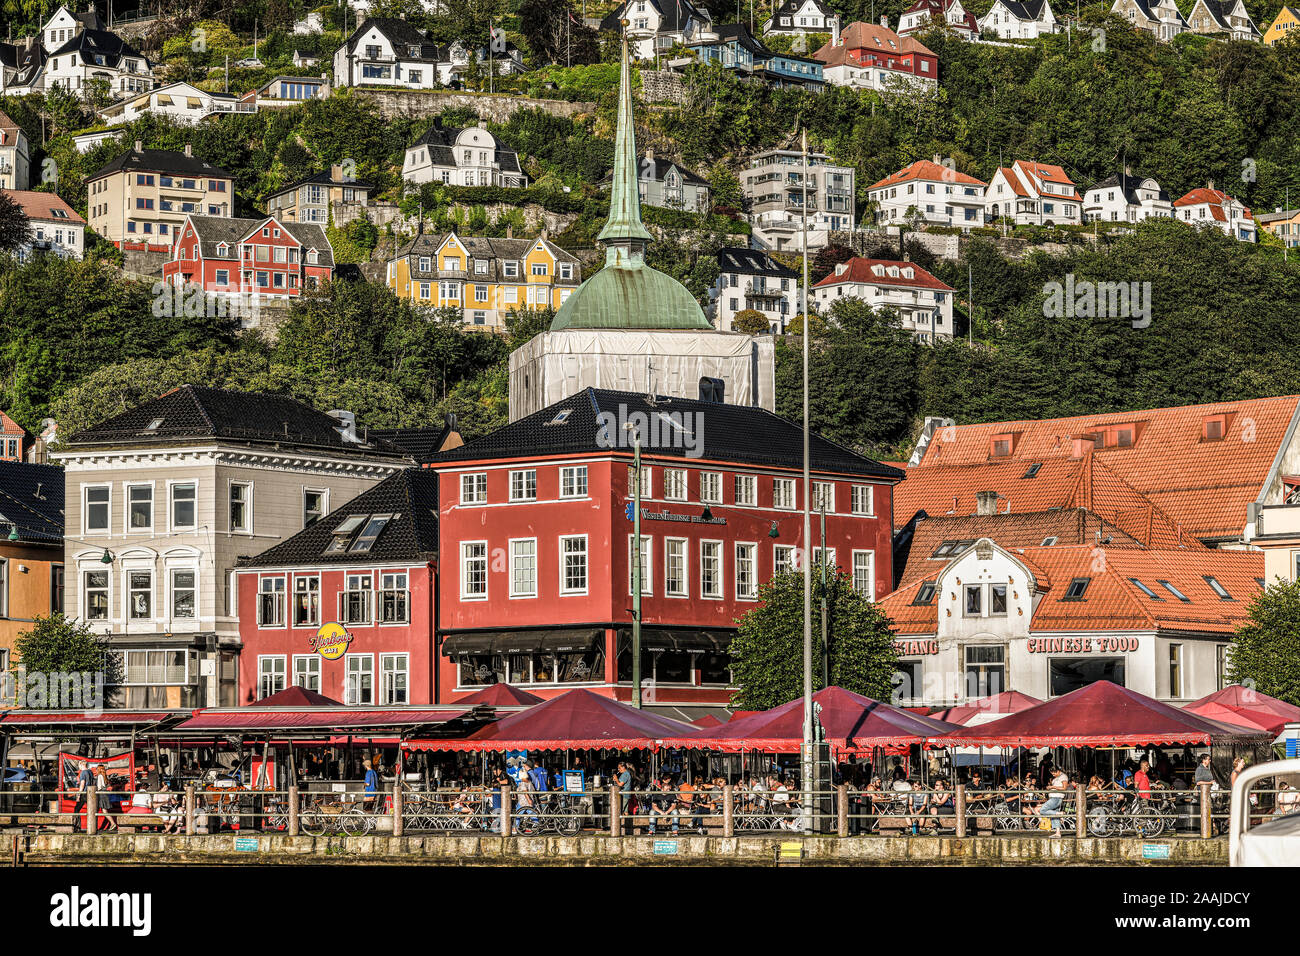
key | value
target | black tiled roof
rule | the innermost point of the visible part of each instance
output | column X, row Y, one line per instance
column 323, row 178
column 161, row 161
column 1025, row 10
column 440, row 140
column 91, row 43
column 400, row 34
column 673, row 14
column 212, row 231
column 420, row 443
column 1129, row 184
column 196, row 412
column 411, row 496
column 493, row 251
column 656, row 169
column 734, row 433
column 752, row 262
column 31, row 499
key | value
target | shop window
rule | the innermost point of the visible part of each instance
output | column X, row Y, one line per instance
column 1070, row 673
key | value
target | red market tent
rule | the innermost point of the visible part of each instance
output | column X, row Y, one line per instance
column 1008, row 702
column 1242, row 705
column 708, row 720
column 1099, row 715
column 576, row 720
column 851, row 723
column 296, row 697
column 500, row 695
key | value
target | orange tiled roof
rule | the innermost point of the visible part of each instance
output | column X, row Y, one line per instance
column 1214, row 198
column 1204, row 486
column 1013, row 181
column 38, row 205
column 10, row 427
column 868, row 36
column 925, row 169
column 859, row 270
column 1048, row 173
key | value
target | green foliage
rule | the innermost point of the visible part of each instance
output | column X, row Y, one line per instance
column 354, row 242
column 750, row 321
column 767, row 652
column 57, row 644
column 1265, row 653
column 14, row 226
column 724, row 188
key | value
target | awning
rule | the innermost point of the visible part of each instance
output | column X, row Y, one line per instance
column 316, row 719
column 522, row 642
column 663, row 639
column 78, row 718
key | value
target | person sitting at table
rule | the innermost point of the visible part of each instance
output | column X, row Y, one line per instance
column 918, row 805
column 664, row 803
column 166, row 807
column 941, row 801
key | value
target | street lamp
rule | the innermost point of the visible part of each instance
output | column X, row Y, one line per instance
column 636, row 564
column 107, row 558
column 806, row 763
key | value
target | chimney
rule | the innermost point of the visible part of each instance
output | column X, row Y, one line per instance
column 986, row 502
column 347, row 427
column 1128, row 170
column 139, row 146
column 336, row 173
column 1209, row 184
column 189, row 151
column 835, row 31
column 938, row 160
column 1081, row 447
column 510, row 231
column 884, row 21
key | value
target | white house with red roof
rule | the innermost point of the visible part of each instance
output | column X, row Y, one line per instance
column 929, row 192
column 876, row 58
column 1033, row 193
column 948, row 13
column 923, row 303
column 1213, row 208
column 53, row 225
column 265, row 257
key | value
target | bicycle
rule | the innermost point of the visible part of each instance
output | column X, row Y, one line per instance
column 548, row 813
column 335, row 817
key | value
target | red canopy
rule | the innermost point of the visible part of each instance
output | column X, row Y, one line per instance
column 296, row 697
column 1242, row 705
column 708, row 720
column 1008, row 702
column 575, row 720
column 1098, row 715
column 851, row 722
column 500, row 695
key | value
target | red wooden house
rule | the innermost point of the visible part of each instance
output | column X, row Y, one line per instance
column 264, row 257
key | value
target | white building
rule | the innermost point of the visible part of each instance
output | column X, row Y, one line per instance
column 91, row 55
column 461, row 157
column 1126, row 198
column 53, row 225
column 1018, row 19
column 1225, row 19
column 453, row 63
column 752, row 279
column 923, row 303
column 1161, row 18
column 1214, row 209
column 802, row 16
column 15, row 158
column 387, row 52
column 929, row 193
column 774, row 188
column 22, row 67
column 181, row 103
column 654, row 26
column 950, row 13
column 1033, row 193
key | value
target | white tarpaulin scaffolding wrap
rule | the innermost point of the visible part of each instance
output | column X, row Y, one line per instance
column 554, row 365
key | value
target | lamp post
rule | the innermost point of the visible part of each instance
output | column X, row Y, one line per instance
column 807, row 761
column 636, row 566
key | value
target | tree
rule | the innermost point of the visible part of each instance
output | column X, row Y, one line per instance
column 556, row 34
column 767, row 651
column 724, row 188
column 14, row 226
column 1265, row 653
column 751, row 321
column 57, row 645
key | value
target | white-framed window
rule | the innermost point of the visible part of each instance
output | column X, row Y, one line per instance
column 824, row 494
column 473, row 570
column 573, row 481
column 711, row 569
column 647, row 565
column 184, row 594
column 354, row 599
column 783, row 494
column 864, row 574
column 746, row 571
column 241, row 506
column 473, row 489
column 675, row 484
column 863, row 501
column 676, row 568
column 359, row 687
column 96, row 501
column 392, row 678
column 306, row 600
column 394, row 598
column 746, row 489
column 315, row 505
column 139, row 595
column 139, row 508
column 573, row 564
column 306, row 671
column 826, row 556
column 94, row 587
column 1176, row 671
column 523, row 485
column 523, row 567
column 184, row 508
column 270, row 602
column 783, row 558
column 270, row 674
column 711, row 487
column 646, row 484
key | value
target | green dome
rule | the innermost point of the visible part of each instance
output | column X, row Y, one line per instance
column 635, row 298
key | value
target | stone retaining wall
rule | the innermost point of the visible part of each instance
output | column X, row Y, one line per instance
column 497, row 108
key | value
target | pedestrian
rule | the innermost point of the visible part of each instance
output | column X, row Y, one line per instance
column 1142, row 779
column 1238, row 765
column 1203, row 772
column 85, row 780
column 372, row 785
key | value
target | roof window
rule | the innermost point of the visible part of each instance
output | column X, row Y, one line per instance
column 374, row 526
column 1175, row 592
column 1146, row 590
column 1217, row 588
column 1077, row 589
column 343, row 533
column 925, row 595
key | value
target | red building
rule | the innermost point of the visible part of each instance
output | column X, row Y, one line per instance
column 536, row 537
column 264, row 257
column 13, row 439
column 346, row 606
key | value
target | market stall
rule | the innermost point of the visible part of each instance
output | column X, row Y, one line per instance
column 1248, row 707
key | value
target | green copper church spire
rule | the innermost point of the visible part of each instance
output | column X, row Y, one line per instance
column 624, row 234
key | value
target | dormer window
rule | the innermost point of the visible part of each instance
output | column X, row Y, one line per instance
column 222, row 248
column 1001, row 446
column 1214, row 428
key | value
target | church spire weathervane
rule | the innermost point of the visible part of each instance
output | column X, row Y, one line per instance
column 624, row 236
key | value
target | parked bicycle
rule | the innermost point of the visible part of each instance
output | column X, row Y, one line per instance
column 323, row 815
